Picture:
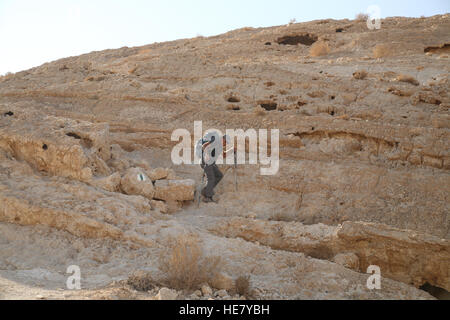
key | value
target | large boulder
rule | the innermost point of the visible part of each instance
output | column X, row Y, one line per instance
column 158, row 173
column 161, row 173
column 136, row 182
column 178, row 190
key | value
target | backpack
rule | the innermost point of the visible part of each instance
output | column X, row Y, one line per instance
column 208, row 137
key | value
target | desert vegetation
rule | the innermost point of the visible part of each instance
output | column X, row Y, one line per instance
column 185, row 266
column 382, row 51
column 319, row 48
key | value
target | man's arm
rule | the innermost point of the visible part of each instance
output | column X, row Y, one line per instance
column 205, row 145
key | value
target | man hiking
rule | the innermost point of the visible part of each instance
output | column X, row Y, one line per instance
column 209, row 149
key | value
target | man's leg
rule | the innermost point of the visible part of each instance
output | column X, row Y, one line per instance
column 211, row 177
column 218, row 174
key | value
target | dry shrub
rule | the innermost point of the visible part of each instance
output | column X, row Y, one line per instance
column 381, row 50
column 242, row 285
column 319, row 48
column 408, row 79
column 6, row 76
column 360, row 74
column 141, row 281
column 185, row 266
column 362, row 16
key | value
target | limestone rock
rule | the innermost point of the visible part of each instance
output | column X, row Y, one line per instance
column 406, row 256
column 348, row 260
column 119, row 165
column 158, row 173
column 159, row 205
column 136, row 182
column 206, row 290
column 173, row 206
column 60, row 146
column 171, row 175
column 197, row 293
column 143, row 164
column 360, row 74
column 402, row 255
column 222, row 293
column 166, row 294
column 179, row 190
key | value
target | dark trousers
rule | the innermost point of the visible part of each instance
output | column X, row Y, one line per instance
column 213, row 175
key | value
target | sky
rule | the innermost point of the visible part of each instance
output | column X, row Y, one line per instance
column 34, row 32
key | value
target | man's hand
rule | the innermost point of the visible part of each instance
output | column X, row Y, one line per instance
column 224, row 153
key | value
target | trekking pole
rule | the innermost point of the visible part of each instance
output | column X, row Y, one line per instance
column 199, row 190
column 235, row 173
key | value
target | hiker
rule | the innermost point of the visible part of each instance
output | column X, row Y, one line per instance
column 209, row 153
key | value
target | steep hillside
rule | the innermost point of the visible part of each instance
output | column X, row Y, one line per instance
column 363, row 179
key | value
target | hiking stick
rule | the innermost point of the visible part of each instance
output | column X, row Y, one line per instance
column 235, row 173
column 199, row 190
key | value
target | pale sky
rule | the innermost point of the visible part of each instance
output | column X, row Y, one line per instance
column 33, row 32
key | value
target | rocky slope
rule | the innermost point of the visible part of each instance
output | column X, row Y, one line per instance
column 86, row 176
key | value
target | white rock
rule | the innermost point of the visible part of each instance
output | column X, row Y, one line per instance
column 222, row 293
column 206, row 290
column 198, row 293
column 166, row 294
column 136, row 182
column 158, row 173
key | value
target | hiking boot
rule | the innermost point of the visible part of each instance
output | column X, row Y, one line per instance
column 208, row 199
